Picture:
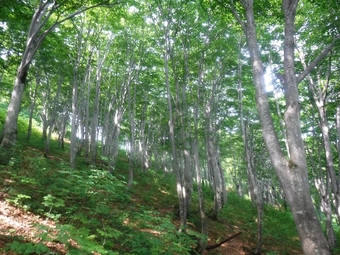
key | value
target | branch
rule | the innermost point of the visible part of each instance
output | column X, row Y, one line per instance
column 237, row 16
column 76, row 13
column 5, row 192
column 36, row 16
column 53, row 26
column 316, row 61
column 234, row 11
column 210, row 247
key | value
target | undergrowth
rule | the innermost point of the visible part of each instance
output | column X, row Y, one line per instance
column 94, row 213
column 92, row 208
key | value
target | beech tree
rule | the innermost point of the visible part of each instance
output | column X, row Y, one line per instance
column 254, row 188
column 167, row 81
column 320, row 88
column 292, row 172
column 41, row 25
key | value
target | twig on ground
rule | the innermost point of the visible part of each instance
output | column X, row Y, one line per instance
column 210, row 247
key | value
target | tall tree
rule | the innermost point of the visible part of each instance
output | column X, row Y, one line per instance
column 254, row 189
column 41, row 25
column 292, row 172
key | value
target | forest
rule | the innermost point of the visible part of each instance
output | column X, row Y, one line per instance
column 170, row 127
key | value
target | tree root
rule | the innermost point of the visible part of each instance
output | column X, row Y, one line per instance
column 210, row 247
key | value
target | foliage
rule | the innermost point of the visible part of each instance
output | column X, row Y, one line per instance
column 27, row 248
column 206, row 48
column 91, row 207
column 94, row 213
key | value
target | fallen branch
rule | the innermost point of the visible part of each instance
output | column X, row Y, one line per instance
column 4, row 192
column 210, row 247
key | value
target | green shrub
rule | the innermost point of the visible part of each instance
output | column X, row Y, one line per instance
column 27, row 248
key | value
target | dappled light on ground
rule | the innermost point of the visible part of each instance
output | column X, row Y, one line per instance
column 15, row 223
column 18, row 223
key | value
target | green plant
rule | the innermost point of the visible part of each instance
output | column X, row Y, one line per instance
column 51, row 201
column 82, row 242
column 27, row 248
column 19, row 200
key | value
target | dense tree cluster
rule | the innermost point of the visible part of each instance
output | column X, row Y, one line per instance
column 232, row 94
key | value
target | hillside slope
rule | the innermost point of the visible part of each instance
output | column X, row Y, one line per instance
column 48, row 208
column 46, row 204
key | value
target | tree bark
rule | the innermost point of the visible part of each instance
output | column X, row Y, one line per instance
column 292, row 173
column 33, row 98
column 80, row 47
column 321, row 183
column 204, row 228
column 36, row 35
column 180, row 187
column 319, row 96
column 86, row 104
column 53, row 115
column 132, row 154
column 254, row 188
column 73, row 145
column 214, row 165
column 338, row 145
column 62, row 121
column 9, row 133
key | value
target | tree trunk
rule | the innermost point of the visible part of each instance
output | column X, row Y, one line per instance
column 292, row 173
column 35, row 37
column 73, row 145
column 62, row 121
column 214, row 166
column 86, row 104
column 323, row 187
column 132, row 156
column 180, row 186
column 204, row 229
column 319, row 97
column 75, row 104
column 255, row 189
column 143, row 138
column 338, row 147
column 113, row 140
column 33, row 97
column 10, row 130
column 54, row 114
column 95, row 112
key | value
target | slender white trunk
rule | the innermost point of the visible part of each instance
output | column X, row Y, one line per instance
column 180, row 187
column 132, row 156
column 36, row 34
column 196, row 162
column 32, row 106
column 320, row 93
column 74, row 129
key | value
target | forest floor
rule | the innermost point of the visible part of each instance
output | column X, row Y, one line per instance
column 16, row 222
column 34, row 178
column 237, row 239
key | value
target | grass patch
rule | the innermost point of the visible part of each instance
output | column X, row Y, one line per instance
column 279, row 232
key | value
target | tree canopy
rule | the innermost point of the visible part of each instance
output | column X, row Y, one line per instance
column 234, row 94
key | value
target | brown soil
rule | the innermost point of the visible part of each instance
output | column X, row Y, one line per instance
column 15, row 222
